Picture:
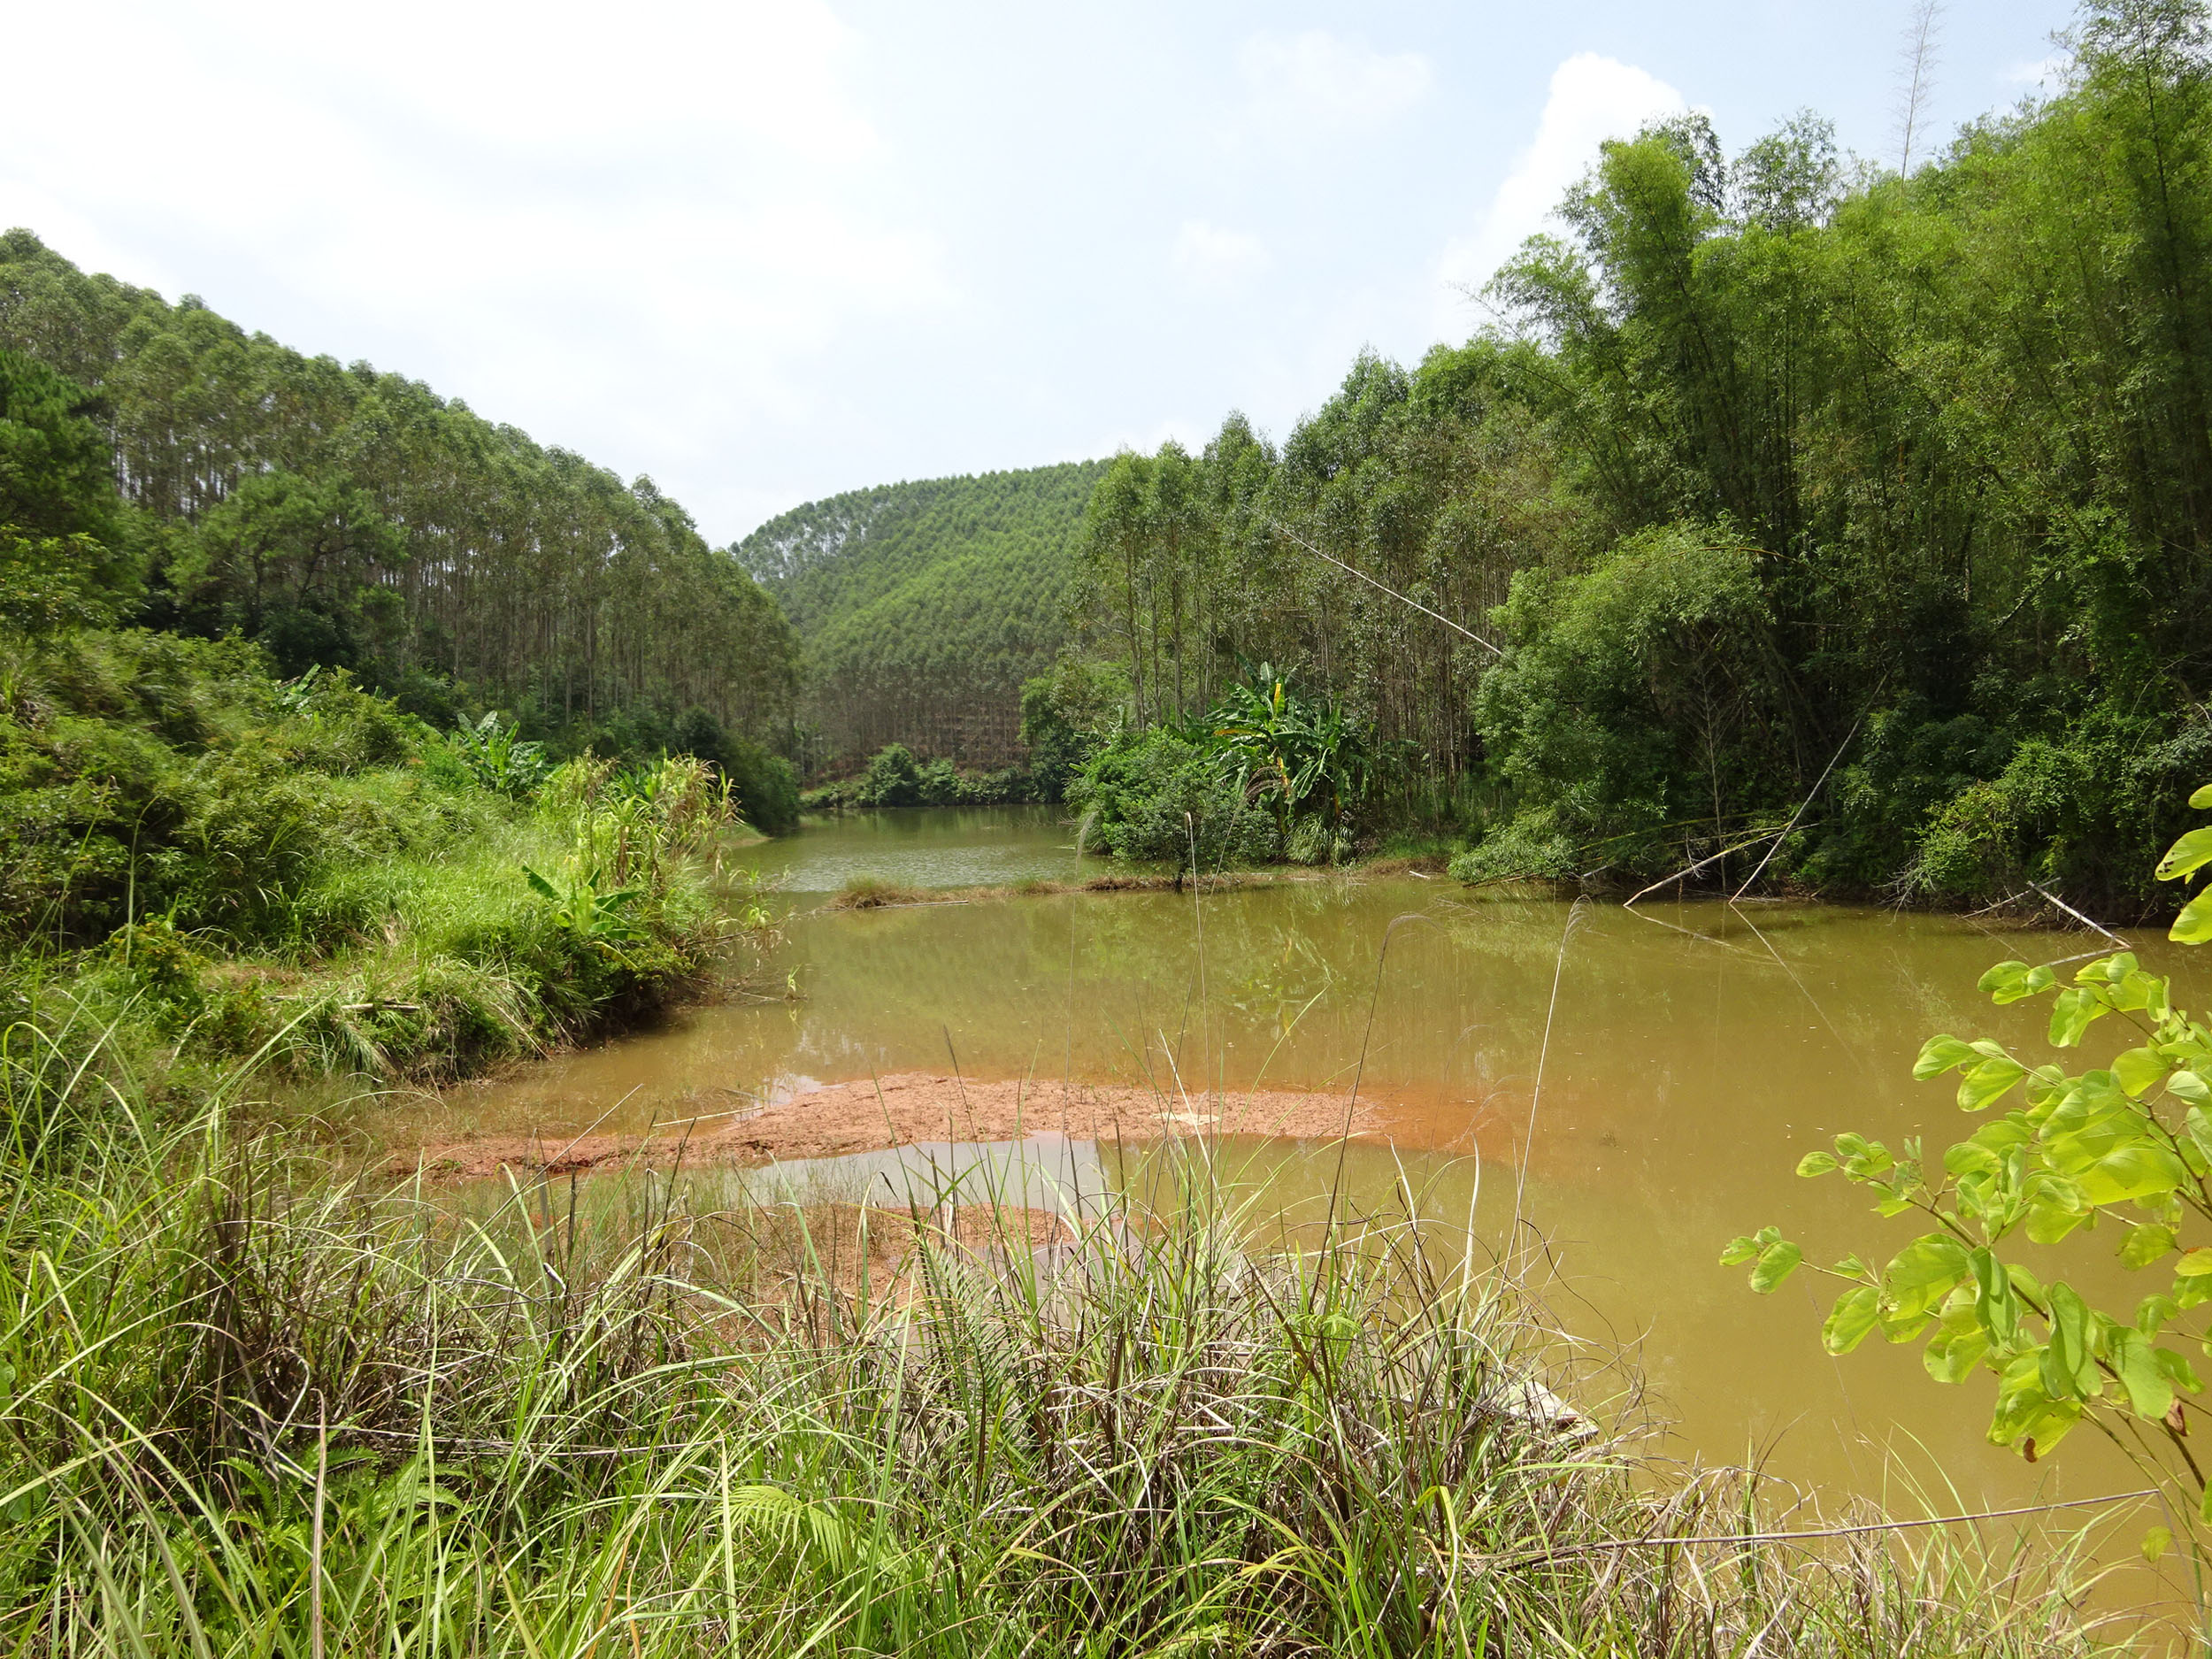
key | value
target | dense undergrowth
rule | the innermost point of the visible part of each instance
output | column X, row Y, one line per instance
column 892, row 777
column 253, row 1407
column 227, row 864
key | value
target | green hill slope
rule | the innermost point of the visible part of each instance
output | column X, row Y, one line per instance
column 922, row 607
column 348, row 516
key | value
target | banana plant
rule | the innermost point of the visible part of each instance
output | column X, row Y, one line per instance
column 603, row 918
column 1295, row 754
column 499, row 757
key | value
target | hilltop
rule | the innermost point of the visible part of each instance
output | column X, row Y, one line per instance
column 921, row 607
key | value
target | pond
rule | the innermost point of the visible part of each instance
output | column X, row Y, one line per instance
column 1690, row 1054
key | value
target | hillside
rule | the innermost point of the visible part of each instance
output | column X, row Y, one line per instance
column 342, row 516
column 922, row 607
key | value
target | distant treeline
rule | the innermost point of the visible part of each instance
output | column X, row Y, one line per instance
column 1774, row 462
column 350, row 518
column 924, row 607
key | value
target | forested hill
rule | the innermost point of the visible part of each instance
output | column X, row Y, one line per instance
column 922, row 607
column 345, row 516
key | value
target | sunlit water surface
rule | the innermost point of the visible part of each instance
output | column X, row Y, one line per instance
column 1691, row 1054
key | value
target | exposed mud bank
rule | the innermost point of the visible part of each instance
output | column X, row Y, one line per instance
column 908, row 1109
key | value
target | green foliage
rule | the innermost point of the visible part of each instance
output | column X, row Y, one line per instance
column 344, row 517
column 227, row 864
column 498, row 758
column 923, row 607
column 1163, row 796
column 1269, row 772
column 2127, row 1144
column 1297, row 757
column 894, row 777
column 60, row 530
column 1638, row 692
column 1066, row 715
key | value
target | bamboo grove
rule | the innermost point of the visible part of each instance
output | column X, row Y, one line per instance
column 351, row 517
column 1767, row 463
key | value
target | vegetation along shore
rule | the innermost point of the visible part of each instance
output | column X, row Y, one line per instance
column 1797, row 526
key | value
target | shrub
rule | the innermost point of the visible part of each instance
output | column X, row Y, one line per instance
column 1162, row 797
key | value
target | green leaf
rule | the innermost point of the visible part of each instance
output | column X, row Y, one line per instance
column 2186, row 856
column 539, row 886
column 2155, row 1543
column 1816, row 1163
column 2202, row 798
column 2145, row 1245
column 1856, row 1313
column 2138, row 1170
column 2049, row 1224
column 2070, row 1365
column 1742, row 1248
column 2176, row 1369
column 2072, row 1012
column 2138, row 1070
column 1987, row 1082
column 2150, row 1393
column 2189, row 1087
column 2026, row 1415
column 1940, row 1054
column 2006, row 982
column 2194, row 925
column 2153, row 1312
column 1954, row 1351
column 1995, row 1304
column 1776, row 1264
column 1922, row 1274
column 2195, row 1263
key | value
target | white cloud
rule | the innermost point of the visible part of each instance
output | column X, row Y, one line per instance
column 1592, row 99
column 596, row 225
column 1217, row 261
column 2043, row 74
column 1316, row 79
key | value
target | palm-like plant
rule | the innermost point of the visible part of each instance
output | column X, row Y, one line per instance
column 1298, row 754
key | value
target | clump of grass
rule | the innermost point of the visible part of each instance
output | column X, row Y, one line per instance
column 873, row 893
column 252, row 1408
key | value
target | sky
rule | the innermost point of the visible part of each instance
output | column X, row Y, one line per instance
column 767, row 252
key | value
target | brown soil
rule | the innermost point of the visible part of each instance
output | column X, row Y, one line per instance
column 873, row 1114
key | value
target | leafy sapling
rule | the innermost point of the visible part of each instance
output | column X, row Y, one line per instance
column 2128, row 1144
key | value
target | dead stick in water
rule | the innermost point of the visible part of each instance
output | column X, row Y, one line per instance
column 1800, row 813
column 1713, row 858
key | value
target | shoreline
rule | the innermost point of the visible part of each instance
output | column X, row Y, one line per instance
column 908, row 1108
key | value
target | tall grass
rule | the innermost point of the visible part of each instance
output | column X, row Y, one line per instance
column 253, row 1407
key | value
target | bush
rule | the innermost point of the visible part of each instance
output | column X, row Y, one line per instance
column 1633, row 699
column 895, row 778
column 1160, row 796
column 2128, row 1142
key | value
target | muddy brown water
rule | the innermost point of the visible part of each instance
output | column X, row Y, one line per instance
column 1694, row 1053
